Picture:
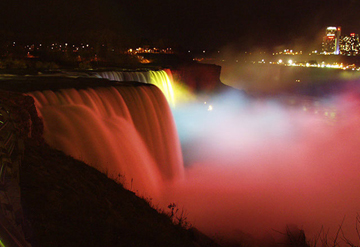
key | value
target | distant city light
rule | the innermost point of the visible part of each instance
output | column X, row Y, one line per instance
column 333, row 43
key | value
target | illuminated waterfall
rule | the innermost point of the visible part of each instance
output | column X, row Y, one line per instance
column 162, row 79
column 254, row 166
column 126, row 130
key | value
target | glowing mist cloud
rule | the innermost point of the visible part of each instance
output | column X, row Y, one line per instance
column 258, row 165
column 251, row 165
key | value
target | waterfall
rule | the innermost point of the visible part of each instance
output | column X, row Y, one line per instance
column 161, row 78
column 122, row 130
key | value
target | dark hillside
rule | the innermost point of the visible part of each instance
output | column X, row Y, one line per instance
column 69, row 203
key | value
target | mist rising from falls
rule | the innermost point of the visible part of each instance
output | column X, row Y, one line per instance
column 162, row 79
column 126, row 130
column 252, row 165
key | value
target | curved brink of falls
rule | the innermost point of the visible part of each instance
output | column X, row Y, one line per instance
column 118, row 130
column 162, row 79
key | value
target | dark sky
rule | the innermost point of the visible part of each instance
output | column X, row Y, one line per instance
column 203, row 24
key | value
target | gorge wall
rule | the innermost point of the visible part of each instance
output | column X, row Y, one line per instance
column 199, row 77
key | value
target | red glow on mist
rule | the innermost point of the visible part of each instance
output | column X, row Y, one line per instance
column 298, row 169
column 251, row 169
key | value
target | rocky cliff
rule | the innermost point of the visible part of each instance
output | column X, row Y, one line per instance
column 200, row 78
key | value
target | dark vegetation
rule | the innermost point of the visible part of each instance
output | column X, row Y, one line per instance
column 68, row 203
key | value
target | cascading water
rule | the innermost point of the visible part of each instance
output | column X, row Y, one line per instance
column 162, row 79
column 126, row 130
column 253, row 165
column 139, row 76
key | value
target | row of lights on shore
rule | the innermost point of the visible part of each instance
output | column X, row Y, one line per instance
column 57, row 46
column 322, row 65
column 149, row 50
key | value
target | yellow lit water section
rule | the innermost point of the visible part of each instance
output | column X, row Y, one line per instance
column 174, row 92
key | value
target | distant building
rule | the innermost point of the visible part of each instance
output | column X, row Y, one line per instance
column 331, row 41
column 350, row 45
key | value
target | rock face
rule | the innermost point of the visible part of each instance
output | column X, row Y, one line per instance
column 19, row 121
column 200, row 78
column 22, row 114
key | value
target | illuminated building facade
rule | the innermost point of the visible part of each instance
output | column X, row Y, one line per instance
column 350, row 45
column 331, row 41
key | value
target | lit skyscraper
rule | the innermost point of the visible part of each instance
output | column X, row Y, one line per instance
column 331, row 42
column 350, row 45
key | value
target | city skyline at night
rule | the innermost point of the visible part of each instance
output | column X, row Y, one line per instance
column 189, row 24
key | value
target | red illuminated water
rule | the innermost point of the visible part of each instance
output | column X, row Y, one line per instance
column 118, row 130
column 252, row 166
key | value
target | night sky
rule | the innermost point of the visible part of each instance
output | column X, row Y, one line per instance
column 188, row 23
